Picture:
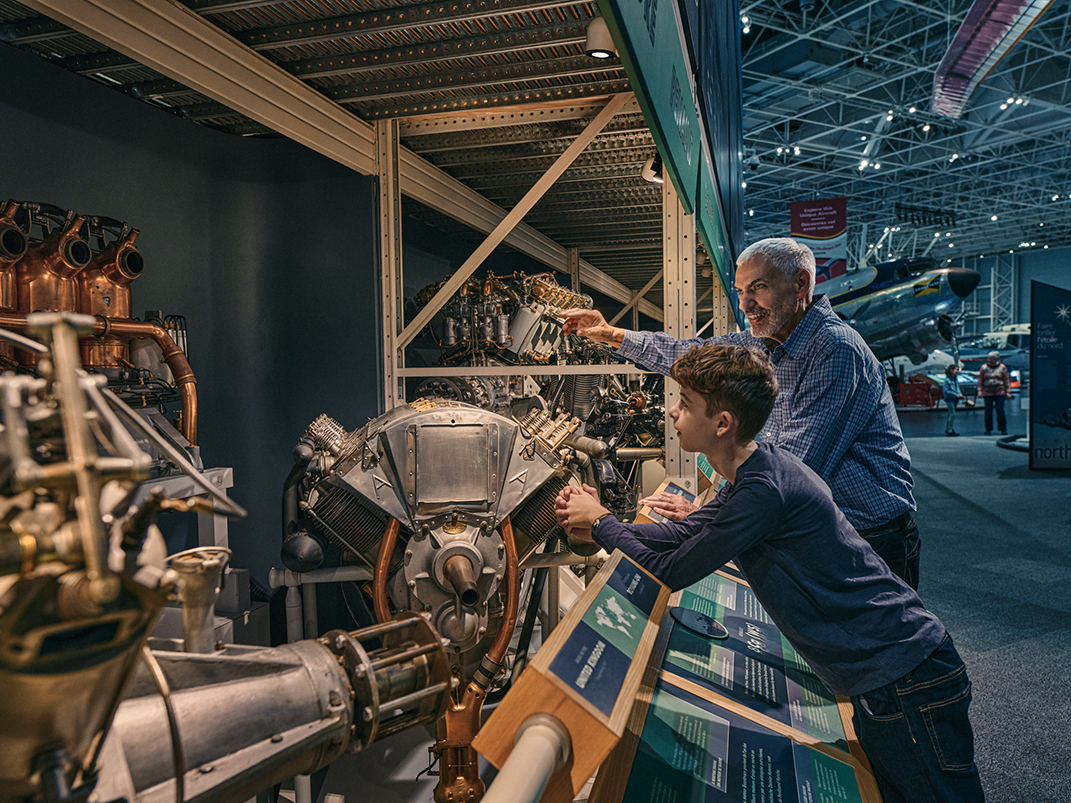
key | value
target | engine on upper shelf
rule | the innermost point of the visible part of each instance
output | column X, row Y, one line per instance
column 512, row 320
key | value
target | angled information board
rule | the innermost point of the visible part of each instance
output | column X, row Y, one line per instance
column 733, row 720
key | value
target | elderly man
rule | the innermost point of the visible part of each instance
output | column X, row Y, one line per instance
column 834, row 412
column 994, row 386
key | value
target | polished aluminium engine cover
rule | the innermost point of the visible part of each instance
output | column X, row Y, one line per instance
column 435, row 461
column 450, row 473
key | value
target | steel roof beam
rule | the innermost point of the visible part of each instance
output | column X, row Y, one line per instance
column 471, row 78
column 182, row 45
column 391, row 21
column 435, row 52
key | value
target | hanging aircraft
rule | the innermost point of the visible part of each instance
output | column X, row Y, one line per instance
column 907, row 307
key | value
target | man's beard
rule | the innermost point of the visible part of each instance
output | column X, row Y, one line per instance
column 774, row 320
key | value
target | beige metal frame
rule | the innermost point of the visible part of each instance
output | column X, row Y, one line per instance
column 390, row 261
column 178, row 43
column 678, row 257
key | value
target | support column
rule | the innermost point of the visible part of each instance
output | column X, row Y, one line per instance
column 678, row 290
column 722, row 320
column 573, row 255
column 1002, row 307
column 390, row 262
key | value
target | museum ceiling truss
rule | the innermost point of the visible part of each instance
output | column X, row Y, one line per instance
column 837, row 101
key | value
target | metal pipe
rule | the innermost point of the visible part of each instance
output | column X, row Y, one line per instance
column 541, row 747
column 379, row 579
column 541, row 560
column 458, row 572
column 554, row 612
column 639, row 453
column 295, row 625
column 403, row 656
column 338, row 574
column 173, row 356
column 202, row 571
column 510, row 596
column 310, row 617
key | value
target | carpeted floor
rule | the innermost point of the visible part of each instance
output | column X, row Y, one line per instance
column 996, row 567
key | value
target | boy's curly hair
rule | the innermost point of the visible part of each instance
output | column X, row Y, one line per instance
column 733, row 378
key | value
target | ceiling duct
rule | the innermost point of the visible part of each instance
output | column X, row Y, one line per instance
column 990, row 30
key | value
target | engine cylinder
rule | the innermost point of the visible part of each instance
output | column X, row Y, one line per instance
column 44, row 277
column 103, row 288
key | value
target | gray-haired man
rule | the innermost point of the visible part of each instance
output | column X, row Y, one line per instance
column 834, row 412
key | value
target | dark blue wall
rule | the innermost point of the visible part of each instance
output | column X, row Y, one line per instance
column 267, row 248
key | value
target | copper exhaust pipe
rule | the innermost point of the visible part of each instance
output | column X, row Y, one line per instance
column 173, row 356
column 459, row 766
column 379, row 578
column 497, row 652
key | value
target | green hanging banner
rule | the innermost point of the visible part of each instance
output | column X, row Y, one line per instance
column 708, row 222
column 653, row 54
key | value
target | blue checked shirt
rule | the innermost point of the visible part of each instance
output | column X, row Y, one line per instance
column 834, row 410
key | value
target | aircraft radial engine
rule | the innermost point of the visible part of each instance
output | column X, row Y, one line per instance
column 442, row 500
column 90, row 709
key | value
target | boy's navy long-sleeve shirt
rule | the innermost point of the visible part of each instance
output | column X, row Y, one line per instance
column 857, row 625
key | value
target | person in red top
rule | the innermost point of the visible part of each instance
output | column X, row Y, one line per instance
column 994, row 386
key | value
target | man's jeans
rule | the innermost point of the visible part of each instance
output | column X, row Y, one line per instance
column 917, row 735
column 898, row 543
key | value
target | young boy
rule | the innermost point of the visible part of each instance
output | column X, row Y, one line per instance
column 862, row 630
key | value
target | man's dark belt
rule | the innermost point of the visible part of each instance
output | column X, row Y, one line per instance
column 899, row 522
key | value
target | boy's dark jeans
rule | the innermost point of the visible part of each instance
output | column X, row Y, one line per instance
column 917, row 735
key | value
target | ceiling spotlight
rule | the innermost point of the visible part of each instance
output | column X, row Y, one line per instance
column 863, row 164
column 796, row 150
column 599, row 44
column 1056, row 197
column 1003, row 106
column 1010, row 100
column 652, row 168
column 912, row 110
column 877, row 165
column 753, row 162
column 780, row 150
column 743, row 184
column 993, row 218
column 926, row 127
column 953, row 157
column 751, row 213
column 1018, row 101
